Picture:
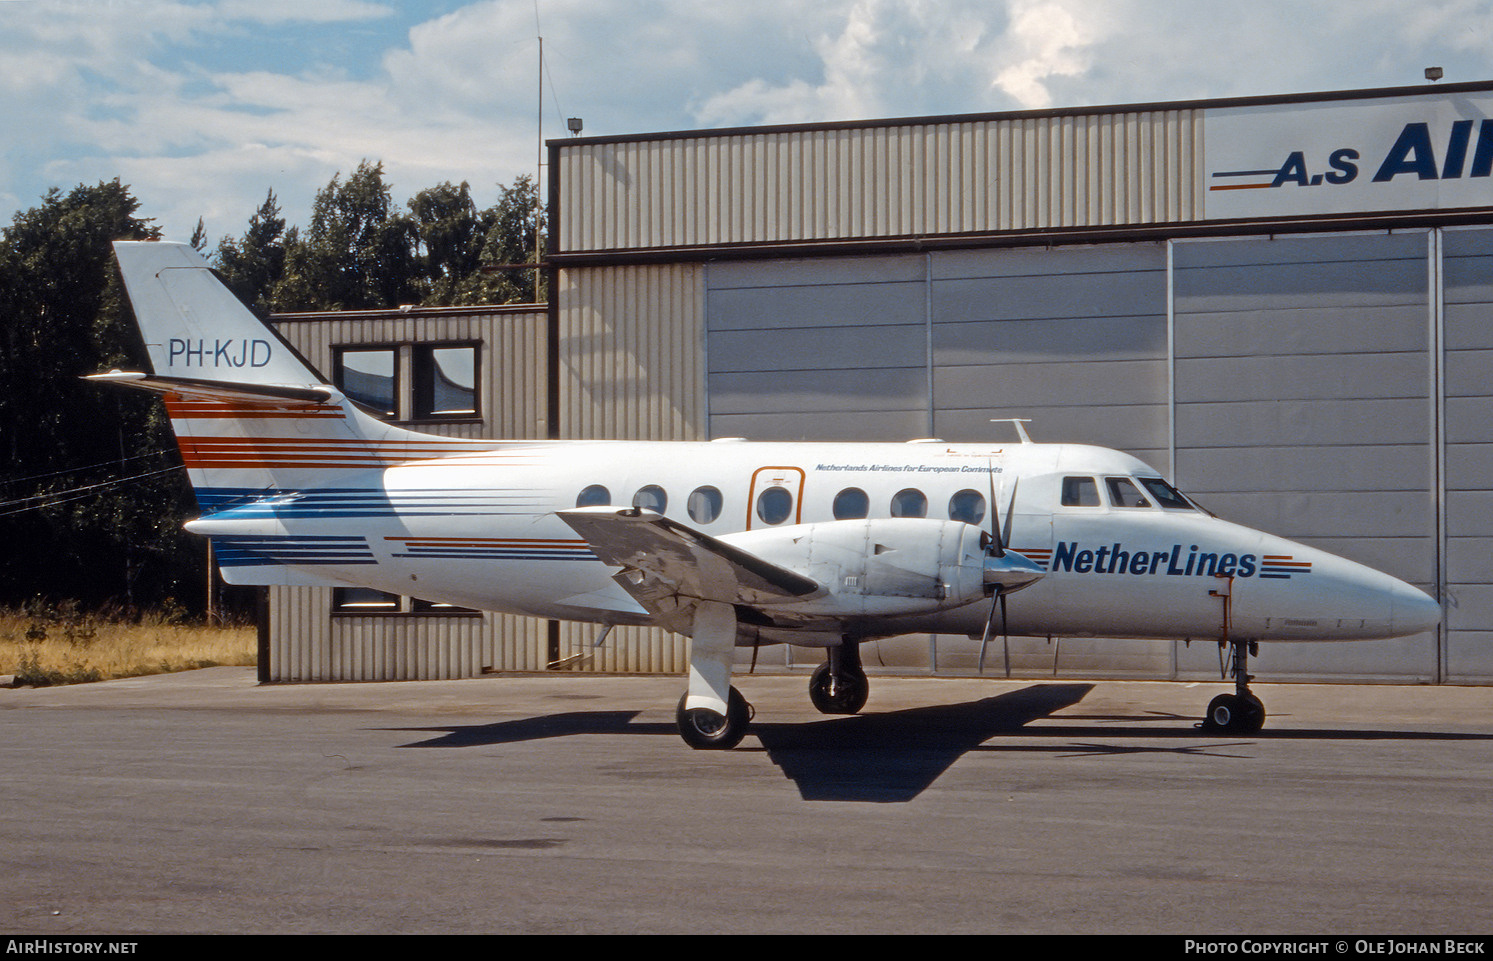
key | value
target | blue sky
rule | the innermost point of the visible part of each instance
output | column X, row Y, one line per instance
column 204, row 106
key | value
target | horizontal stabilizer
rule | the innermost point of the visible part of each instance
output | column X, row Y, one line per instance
column 268, row 394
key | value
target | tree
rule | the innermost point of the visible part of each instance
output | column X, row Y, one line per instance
column 68, row 526
column 450, row 234
column 473, row 257
column 358, row 252
column 252, row 265
column 516, row 225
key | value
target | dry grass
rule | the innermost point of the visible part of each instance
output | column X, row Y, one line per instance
column 60, row 645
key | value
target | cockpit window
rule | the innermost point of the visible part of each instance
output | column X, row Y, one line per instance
column 1165, row 494
column 1124, row 493
column 1080, row 492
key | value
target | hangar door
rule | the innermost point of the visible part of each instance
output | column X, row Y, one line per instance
column 1330, row 388
column 895, row 348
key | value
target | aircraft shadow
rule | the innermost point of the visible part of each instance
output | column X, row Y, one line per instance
column 894, row 757
column 890, row 757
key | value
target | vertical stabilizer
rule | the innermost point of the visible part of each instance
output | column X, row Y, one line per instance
column 195, row 328
column 251, row 417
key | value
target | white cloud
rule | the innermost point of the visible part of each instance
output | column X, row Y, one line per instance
column 204, row 106
column 1046, row 39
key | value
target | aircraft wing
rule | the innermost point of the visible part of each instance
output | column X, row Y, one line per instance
column 667, row 566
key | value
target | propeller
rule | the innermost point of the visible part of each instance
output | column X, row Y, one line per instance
column 1005, row 571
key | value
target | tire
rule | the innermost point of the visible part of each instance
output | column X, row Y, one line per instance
column 1232, row 714
column 848, row 697
column 705, row 730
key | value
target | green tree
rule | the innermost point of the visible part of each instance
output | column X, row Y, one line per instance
column 357, row 253
column 71, row 525
column 253, row 264
column 515, row 224
column 450, row 233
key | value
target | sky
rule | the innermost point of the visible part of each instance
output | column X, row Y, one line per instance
column 203, row 106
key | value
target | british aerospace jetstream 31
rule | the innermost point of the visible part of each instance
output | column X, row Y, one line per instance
column 728, row 542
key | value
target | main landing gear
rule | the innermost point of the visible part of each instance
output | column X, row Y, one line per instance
column 839, row 685
column 1240, row 712
column 705, row 730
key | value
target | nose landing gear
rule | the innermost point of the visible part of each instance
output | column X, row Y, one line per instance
column 1240, row 712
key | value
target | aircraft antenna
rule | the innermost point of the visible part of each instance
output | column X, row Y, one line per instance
column 1016, row 422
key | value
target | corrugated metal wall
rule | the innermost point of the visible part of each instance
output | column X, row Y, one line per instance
column 631, row 368
column 308, row 642
column 512, row 381
column 885, row 180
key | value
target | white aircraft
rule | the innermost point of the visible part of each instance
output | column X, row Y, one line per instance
column 729, row 542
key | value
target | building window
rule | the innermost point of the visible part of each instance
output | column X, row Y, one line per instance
column 365, row 601
column 445, row 381
column 370, row 377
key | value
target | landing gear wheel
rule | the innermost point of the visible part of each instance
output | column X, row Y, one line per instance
column 1235, row 714
column 1240, row 712
column 845, row 695
column 705, row 730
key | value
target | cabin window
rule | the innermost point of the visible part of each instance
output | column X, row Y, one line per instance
column 1080, row 492
column 1165, row 494
column 909, row 503
column 967, row 506
column 704, row 505
column 851, row 504
column 593, row 496
column 445, row 381
column 651, row 498
column 1124, row 493
column 370, row 377
column 774, row 505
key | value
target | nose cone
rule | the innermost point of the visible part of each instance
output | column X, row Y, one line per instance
column 1302, row 593
column 1011, row 571
column 1413, row 611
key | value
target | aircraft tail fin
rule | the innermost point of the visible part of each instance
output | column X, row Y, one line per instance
column 251, row 416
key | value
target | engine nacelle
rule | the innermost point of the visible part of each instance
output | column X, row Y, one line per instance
column 877, row 566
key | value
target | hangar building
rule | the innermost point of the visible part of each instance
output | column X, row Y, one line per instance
column 1283, row 303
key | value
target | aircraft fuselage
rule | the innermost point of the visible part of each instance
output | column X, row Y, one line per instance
column 482, row 530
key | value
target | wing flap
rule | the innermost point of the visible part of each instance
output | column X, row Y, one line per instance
column 665, row 563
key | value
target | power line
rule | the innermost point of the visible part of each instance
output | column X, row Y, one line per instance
column 57, row 498
column 79, row 470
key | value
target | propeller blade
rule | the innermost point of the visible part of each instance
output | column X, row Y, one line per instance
column 989, row 627
column 997, row 544
column 1011, row 509
column 1005, row 635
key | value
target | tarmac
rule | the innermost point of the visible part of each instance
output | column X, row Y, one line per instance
column 204, row 802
